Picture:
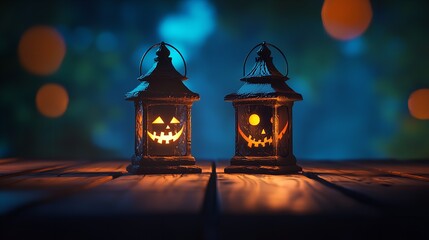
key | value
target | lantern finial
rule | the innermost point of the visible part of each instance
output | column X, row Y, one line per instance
column 264, row 70
column 264, row 53
column 163, row 53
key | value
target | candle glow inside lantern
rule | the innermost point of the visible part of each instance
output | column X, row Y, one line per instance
column 162, row 118
column 263, row 116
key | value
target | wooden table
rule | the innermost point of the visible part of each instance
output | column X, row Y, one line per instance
column 100, row 200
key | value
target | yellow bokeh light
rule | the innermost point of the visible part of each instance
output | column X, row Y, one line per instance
column 41, row 50
column 254, row 119
column 418, row 104
column 346, row 19
column 52, row 100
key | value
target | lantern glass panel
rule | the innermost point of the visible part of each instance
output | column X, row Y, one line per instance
column 139, row 128
column 166, row 130
column 283, row 131
column 254, row 130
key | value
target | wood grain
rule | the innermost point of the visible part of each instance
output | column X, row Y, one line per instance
column 418, row 170
column 129, row 206
column 394, row 194
column 8, row 160
column 22, row 167
column 44, row 182
column 291, row 194
column 328, row 200
column 134, row 195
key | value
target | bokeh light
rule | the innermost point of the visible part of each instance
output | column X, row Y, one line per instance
column 105, row 42
column 346, row 19
column 418, row 104
column 41, row 50
column 52, row 100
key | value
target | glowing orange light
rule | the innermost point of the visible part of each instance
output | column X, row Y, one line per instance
column 166, row 137
column 52, row 100
column 139, row 120
column 418, row 104
column 41, row 50
column 346, row 19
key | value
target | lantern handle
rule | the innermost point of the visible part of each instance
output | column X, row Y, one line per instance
column 269, row 44
column 155, row 45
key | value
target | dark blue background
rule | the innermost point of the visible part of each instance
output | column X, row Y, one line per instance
column 355, row 92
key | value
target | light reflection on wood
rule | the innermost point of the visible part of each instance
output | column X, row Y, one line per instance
column 134, row 194
column 108, row 168
column 293, row 194
column 169, row 193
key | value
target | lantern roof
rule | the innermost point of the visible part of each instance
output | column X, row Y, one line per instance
column 264, row 70
column 264, row 80
column 162, row 80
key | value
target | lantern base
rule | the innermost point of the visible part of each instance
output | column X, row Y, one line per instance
column 181, row 169
column 273, row 170
column 263, row 161
column 162, row 165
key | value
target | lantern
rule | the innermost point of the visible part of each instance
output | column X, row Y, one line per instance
column 263, row 118
column 162, row 118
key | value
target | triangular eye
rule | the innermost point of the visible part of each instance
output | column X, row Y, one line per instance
column 174, row 120
column 158, row 120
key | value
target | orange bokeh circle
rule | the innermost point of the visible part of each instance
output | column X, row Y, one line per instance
column 418, row 104
column 41, row 50
column 346, row 19
column 52, row 100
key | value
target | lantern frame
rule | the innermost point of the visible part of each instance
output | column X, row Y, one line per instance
column 162, row 91
column 264, row 88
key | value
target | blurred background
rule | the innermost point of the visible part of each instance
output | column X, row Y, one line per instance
column 362, row 67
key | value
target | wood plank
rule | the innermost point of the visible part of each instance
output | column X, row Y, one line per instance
column 37, row 187
column 313, row 205
column 21, row 167
column 150, row 206
column 113, row 168
column 396, row 195
column 291, row 194
column 20, row 194
column 285, row 206
column 136, row 194
column 418, row 170
column 8, row 160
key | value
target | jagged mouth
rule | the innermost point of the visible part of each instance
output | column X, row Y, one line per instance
column 252, row 142
column 165, row 137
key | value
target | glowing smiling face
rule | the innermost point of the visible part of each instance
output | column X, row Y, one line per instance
column 264, row 138
column 169, row 133
column 255, row 129
column 166, row 127
column 255, row 141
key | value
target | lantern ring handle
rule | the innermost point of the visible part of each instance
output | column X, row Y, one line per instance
column 155, row 45
column 269, row 44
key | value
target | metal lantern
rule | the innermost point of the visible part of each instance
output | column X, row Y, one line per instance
column 263, row 118
column 162, row 118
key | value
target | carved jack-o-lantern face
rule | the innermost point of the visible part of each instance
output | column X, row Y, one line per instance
column 165, row 132
column 262, row 137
